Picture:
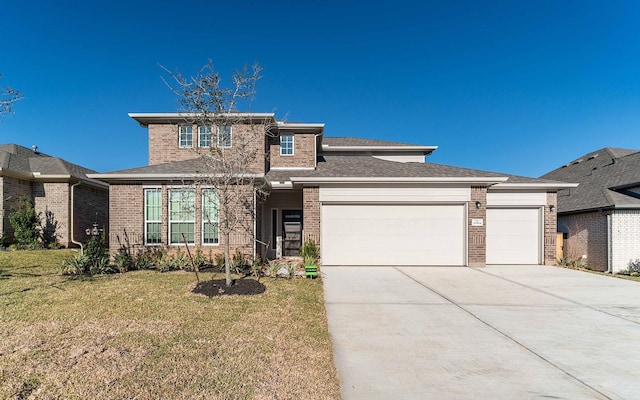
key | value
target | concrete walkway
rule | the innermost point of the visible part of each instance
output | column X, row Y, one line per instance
column 508, row 332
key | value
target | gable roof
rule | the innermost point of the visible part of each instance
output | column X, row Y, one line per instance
column 171, row 171
column 604, row 176
column 30, row 164
column 367, row 168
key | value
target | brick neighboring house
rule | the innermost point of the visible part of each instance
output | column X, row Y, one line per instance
column 367, row 202
column 60, row 191
column 601, row 217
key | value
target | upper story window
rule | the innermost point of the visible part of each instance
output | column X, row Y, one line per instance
column 286, row 145
column 152, row 216
column 224, row 136
column 182, row 215
column 186, row 136
column 204, row 136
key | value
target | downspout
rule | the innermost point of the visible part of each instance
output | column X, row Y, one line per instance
column 609, row 267
column 71, row 213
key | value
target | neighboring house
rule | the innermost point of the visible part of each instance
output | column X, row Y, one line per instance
column 601, row 217
column 366, row 202
column 61, row 192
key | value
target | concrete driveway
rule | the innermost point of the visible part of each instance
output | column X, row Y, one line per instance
column 507, row 332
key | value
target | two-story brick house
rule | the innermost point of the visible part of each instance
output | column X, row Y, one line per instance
column 366, row 202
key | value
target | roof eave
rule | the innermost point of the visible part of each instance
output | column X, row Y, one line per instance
column 144, row 119
column 441, row 180
column 164, row 177
column 425, row 150
column 534, row 185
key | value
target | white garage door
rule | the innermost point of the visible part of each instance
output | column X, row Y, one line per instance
column 513, row 236
column 393, row 234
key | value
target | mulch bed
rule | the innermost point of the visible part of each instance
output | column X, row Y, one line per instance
column 218, row 287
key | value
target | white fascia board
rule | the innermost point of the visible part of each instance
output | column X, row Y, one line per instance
column 281, row 185
column 534, row 186
column 159, row 177
column 429, row 149
column 292, row 168
column 472, row 180
column 145, row 119
column 283, row 125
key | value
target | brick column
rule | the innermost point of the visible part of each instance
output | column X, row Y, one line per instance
column 477, row 254
column 550, row 228
column 311, row 213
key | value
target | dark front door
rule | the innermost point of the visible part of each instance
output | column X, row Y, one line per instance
column 291, row 232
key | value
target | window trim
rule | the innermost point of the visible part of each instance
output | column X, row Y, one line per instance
column 147, row 221
column 205, row 221
column 201, row 134
column 190, row 133
column 292, row 145
column 220, row 141
column 186, row 221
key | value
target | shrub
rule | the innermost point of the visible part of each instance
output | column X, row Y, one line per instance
column 310, row 251
column 219, row 259
column 123, row 259
column 238, row 261
column 26, row 224
column 95, row 259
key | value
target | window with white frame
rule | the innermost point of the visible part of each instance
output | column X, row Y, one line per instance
column 182, row 215
column 153, row 216
column 186, row 136
column 224, row 136
column 210, row 208
column 204, row 136
column 286, row 145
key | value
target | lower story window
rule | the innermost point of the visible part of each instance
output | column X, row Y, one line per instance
column 210, row 206
column 182, row 216
column 152, row 216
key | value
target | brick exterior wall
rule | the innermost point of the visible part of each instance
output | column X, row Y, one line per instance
column 12, row 190
column 53, row 201
column 550, row 229
column 311, row 214
column 126, row 210
column 477, row 247
column 625, row 238
column 127, row 215
column 91, row 205
column 303, row 152
column 586, row 235
column 164, row 144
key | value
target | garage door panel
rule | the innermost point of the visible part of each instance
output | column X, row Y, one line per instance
column 513, row 236
column 393, row 234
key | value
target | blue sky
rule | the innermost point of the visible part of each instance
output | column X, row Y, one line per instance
column 507, row 86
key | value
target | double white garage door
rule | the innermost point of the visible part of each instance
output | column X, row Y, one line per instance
column 419, row 234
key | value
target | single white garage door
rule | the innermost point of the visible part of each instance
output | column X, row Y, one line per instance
column 392, row 234
column 513, row 236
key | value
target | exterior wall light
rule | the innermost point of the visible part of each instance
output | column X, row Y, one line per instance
column 478, row 204
column 552, row 208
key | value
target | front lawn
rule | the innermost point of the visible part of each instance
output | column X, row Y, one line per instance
column 145, row 335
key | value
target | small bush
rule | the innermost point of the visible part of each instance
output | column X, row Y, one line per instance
column 310, row 251
column 26, row 224
column 123, row 259
column 238, row 261
column 219, row 259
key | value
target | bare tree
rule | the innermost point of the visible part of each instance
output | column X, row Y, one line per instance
column 232, row 161
column 8, row 96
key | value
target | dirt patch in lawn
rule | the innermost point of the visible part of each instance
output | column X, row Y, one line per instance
column 218, row 287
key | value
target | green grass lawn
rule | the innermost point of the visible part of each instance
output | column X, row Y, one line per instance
column 144, row 335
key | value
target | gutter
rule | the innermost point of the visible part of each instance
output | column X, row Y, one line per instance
column 71, row 214
column 398, row 179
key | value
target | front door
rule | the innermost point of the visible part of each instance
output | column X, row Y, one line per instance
column 291, row 232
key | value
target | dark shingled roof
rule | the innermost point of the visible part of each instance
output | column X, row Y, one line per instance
column 352, row 141
column 372, row 167
column 21, row 160
column 603, row 176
